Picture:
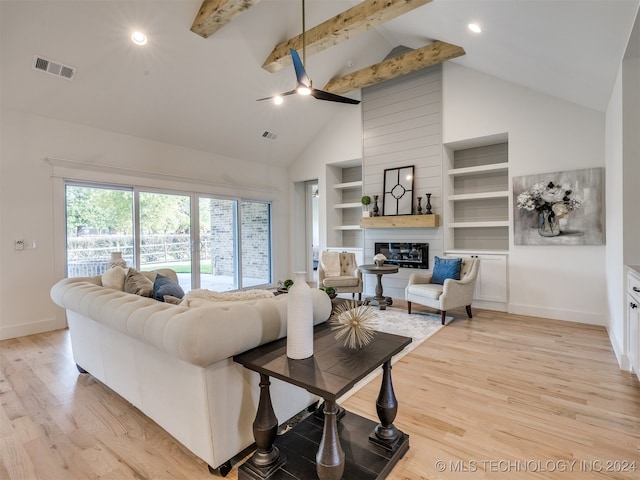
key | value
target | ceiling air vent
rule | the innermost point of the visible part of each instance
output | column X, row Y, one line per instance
column 53, row 68
column 269, row 135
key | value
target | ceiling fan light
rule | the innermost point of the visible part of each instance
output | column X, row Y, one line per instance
column 303, row 90
column 139, row 38
column 474, row 27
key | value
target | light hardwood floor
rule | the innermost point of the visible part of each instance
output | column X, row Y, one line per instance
column 500, row 397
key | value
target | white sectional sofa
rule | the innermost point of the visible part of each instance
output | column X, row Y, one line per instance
column 175, row 363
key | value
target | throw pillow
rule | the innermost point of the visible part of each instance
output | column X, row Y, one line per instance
column 114, row 278
column 138, row 283
column 165, row 286
column 171, row 299
column 446, row 268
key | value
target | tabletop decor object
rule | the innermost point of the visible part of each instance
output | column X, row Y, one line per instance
column 427, row 208
column 379, row 259
column 366, row 201
column 352, row 321
column 116, row 260
column 299, row 319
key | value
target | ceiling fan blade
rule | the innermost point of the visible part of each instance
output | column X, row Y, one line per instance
column 301, row 75
column 332, row 97
column 290, row 92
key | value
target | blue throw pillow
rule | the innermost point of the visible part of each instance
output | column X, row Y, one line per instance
column 446, row 268
column 165, row 286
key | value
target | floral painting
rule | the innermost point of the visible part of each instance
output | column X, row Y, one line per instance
column 561, row 208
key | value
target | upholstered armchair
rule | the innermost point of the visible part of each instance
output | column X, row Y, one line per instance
column 450, row 294
column 340, row 271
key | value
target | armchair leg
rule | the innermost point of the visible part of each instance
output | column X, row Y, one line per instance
column 443, row 314
column 409, row 308
column 469, row 311
column 359, row 296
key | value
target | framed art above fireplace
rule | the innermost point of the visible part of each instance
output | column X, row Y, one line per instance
column 398, row 191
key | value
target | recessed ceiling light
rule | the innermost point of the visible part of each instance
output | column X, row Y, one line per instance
column 474, row 27
column 139, row 38
column 278, row 100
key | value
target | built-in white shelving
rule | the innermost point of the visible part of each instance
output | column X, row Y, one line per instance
column 348, row 205
column 340, row 186
column 477, row 193
column 344, row 191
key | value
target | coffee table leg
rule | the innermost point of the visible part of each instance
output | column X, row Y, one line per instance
column 385, row 433
column 267, row 458
column 330, row 457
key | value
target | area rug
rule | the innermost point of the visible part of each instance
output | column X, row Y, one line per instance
column 419, row 326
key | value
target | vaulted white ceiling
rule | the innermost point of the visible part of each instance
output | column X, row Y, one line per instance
column 201, row 93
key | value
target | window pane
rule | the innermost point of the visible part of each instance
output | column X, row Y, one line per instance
column 165, row 239
column 256, row 243
column 218, row 244
column 99, row 221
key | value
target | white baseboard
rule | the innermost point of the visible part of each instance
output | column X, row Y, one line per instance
column 485, row 305
column 31, row 328
column 556, row 314
column 621, row 356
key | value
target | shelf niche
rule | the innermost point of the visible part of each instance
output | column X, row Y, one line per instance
column 401, row 221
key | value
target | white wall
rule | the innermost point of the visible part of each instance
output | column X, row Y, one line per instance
column 339, row 141
column 31, row 200
column 546, row 134
column 614, row 222
column 623, row 178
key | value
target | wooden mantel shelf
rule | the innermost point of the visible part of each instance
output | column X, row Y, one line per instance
column 400, row 221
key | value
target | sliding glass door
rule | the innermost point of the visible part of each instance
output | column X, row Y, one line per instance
column 99, row 221
column 164, row 222
column 218, row 244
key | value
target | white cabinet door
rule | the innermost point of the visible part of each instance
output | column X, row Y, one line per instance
column 492, row 278
column 633, row 316
column 491, row 285
column 633, row 320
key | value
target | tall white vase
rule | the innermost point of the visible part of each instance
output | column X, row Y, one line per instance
column 299, row 318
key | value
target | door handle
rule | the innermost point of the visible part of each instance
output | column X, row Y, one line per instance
column 636, row 289
column 633, row 305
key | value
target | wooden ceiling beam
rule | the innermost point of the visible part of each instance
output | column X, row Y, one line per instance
column 359, row 18
column 215, row 14
column 432, row 54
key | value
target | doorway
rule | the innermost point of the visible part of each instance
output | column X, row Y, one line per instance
column 312, row 229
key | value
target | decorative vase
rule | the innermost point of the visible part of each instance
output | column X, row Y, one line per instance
column 548, row 225
column 419, row 209
column 428, row 205
column 116, row 260
column 300, row 319
column 376, row 212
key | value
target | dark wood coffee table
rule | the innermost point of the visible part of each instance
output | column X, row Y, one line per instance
column 316, row 447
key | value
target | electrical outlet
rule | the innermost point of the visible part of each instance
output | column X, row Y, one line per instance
column 19, row 244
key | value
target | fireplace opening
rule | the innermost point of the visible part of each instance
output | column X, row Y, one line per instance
column 408, row 255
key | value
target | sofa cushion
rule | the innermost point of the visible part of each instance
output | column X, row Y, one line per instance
column 428, row 291
column 165, row 286
column 202, row 297
column 172, row 300
column 349, row 281
column 446, row 268
column 114, row 278
column 138, row 283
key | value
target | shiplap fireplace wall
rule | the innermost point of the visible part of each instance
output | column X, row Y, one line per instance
column 402, row 125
